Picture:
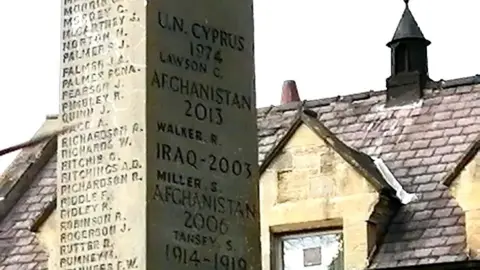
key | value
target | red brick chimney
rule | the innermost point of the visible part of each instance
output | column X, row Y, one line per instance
column 289, row 92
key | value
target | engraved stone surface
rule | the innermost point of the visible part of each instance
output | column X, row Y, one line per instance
column 160, row 171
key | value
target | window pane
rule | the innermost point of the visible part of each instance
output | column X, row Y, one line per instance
column 313, row 252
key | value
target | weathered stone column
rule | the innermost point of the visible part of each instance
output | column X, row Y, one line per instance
column 160, row 171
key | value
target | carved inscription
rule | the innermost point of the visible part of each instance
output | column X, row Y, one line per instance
column 92, row 166
column 175, row 104
column 199, row 189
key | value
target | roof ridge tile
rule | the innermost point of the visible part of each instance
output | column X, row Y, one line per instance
column 432, row 88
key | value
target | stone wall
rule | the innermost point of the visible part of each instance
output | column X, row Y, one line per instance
column 309, row 186
column 466, row 190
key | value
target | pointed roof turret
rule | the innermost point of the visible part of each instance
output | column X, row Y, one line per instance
column 409, row 62
column 407, row 28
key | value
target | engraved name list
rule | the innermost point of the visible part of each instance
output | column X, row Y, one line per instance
column 94, row 160
column 160, row 170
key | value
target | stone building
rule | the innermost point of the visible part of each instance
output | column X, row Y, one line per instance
column 373, row 180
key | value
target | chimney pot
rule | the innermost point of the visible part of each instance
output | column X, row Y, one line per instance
column 289, row 92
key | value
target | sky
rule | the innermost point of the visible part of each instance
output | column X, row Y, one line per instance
column 329, row 48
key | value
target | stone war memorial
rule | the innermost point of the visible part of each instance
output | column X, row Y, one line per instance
column 159, row 170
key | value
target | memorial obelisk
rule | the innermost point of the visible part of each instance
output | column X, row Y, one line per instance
column 160, row 170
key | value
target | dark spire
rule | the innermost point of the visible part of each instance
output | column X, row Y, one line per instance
column 407, row 27
column 409, row 63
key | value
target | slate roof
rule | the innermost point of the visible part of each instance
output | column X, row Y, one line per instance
column 19, row 247
column 421, row 145
column 28, row 187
